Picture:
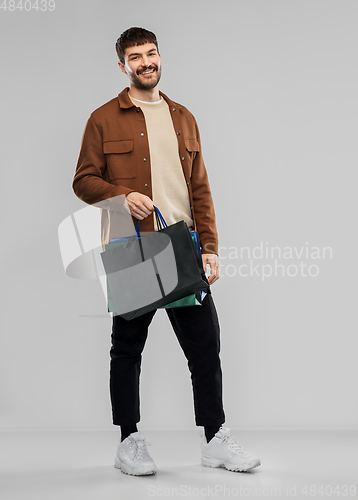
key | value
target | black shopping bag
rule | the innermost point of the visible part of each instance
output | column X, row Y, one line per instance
column 153, row 270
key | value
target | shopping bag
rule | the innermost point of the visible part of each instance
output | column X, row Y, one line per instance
column 113, row 243
column 151, row 271
column 194, row 299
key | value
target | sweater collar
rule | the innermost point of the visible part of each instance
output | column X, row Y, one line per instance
column 125, row 102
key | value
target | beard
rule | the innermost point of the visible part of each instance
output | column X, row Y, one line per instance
column 141, row 83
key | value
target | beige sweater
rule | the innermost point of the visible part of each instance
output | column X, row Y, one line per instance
column 169, row 189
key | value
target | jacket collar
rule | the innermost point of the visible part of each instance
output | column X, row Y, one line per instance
column 125, row 102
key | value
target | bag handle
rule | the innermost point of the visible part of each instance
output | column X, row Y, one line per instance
column 160, row 223
column 160, row 219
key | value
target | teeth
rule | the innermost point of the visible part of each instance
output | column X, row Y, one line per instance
column 147, row 72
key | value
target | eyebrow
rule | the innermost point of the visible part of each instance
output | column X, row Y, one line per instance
column 139, row 54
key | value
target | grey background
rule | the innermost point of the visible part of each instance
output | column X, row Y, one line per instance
column 273, row 86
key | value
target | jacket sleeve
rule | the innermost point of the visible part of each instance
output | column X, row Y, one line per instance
column 88, row 183
column 203, row 205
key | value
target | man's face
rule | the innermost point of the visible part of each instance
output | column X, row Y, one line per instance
column 142, row 64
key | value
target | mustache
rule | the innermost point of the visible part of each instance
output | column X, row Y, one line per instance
column 146, row 68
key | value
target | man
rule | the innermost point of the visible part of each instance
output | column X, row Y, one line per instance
column 147, row 147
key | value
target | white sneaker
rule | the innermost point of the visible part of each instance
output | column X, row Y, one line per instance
column 133, row 457
column 223, row 451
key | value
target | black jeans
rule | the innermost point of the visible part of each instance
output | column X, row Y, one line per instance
column 198, row 332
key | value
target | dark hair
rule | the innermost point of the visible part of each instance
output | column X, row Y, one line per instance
column 134, row 36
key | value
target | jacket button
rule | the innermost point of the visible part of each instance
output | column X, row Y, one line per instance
column 178, row 132
column 174, row 109
column 183, row 158
column 188, row 183
column 191, row 208
column 141, row 134
column 144, row 159
column 137, row 110
column 146, row 185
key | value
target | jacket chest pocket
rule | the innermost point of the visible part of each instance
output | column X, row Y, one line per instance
column 192, row 147
column 119, row 159
column 191, row 144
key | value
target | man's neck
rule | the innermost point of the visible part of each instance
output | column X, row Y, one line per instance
column 151, row 95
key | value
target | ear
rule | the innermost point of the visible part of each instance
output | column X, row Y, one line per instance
column 122, row 67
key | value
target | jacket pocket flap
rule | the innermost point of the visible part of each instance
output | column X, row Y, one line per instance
column 191, row 144
column 118, row 146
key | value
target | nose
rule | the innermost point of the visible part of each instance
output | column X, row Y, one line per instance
column 145, row 60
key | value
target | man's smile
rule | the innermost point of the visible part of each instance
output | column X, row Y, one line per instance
column 148, row 72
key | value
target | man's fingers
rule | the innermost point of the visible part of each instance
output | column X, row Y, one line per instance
column 140, row 213
column 213, row 262
column 140, row 205
column 149, row 205
column 141, row 209
column 214, row 274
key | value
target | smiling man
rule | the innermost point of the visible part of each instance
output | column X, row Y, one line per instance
column 143, row 67
column 146, row 147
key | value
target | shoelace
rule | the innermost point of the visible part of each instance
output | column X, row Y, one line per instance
column 232, row 444
column 141, row 450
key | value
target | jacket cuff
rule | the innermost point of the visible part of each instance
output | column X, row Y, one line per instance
column 210, row 247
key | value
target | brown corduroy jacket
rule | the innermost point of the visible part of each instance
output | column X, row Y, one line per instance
column 114, row 160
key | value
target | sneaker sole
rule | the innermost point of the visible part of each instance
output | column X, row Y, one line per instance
column 133, row 471
column 212, row 462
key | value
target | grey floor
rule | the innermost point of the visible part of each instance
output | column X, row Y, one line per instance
column 79, row 465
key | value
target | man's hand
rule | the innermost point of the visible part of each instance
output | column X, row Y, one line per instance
column 140, row 205
column 213, row 260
